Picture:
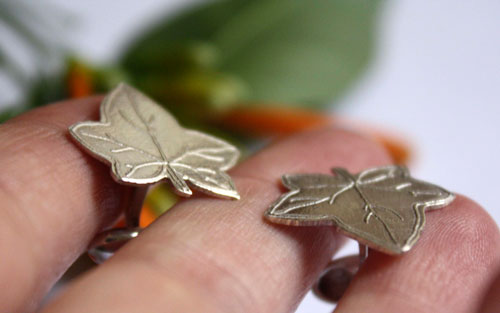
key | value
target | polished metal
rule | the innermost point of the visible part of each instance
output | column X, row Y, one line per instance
column 144, row 145
column 108, row 242
column 382, row 208
column 338, row 274
column 133, row 199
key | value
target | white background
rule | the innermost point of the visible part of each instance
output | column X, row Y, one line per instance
column 435, row 80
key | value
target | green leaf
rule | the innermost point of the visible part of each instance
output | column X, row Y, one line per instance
column 293, row 52
column 194, row 94
column 171, row 57
column 194, row 27
column 9, row 113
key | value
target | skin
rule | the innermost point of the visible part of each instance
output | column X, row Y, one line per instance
column 211, row 255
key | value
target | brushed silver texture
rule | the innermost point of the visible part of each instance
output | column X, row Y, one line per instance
column 382, row 208
column 144, row 144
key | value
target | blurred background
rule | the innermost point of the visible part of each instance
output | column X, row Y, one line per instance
column 421, row 77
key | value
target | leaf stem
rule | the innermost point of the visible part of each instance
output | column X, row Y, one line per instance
column 177, row 180
column 368, row 206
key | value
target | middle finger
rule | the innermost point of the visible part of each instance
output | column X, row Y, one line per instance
column 214, row 255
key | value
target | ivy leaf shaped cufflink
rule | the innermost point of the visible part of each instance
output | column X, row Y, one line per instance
column 382, row 208
column 144, row 145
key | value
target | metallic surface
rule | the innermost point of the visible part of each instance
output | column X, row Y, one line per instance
column 107, row 243
column 382, row 208
column 144, row 144
column 132, row 202
column 337, row 276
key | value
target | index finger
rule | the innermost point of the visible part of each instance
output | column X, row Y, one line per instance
column 54, row 200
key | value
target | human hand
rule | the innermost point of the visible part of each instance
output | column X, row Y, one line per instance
column 211, row 255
